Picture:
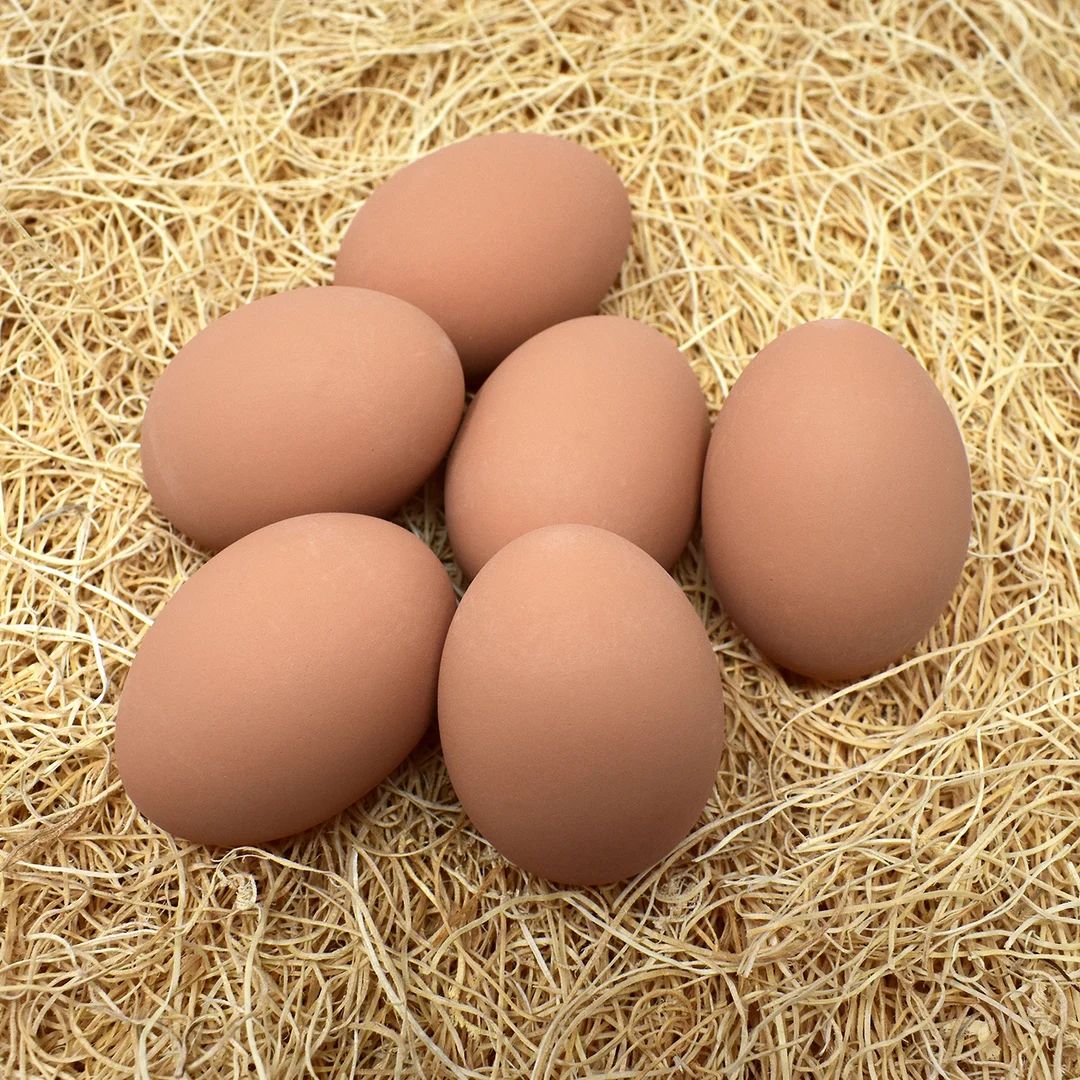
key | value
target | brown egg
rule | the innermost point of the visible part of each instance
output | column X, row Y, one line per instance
column 598, row 421
column 495, row 238
column 284, row 680
column 836, row 503
column 313, row 400
column 580, row 706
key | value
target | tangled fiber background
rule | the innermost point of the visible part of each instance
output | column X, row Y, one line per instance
column 886, row 883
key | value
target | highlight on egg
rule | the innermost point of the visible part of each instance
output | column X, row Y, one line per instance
column 836, row 501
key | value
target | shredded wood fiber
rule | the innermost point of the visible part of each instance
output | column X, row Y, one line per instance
column 887, row 881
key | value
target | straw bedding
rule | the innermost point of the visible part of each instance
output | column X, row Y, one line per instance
column 886, row 883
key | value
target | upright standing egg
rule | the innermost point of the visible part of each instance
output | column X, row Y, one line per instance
column 836, row 504
column 286, row 678
column 320, row 399
column 580, row 706
column 598, row 421
column 496, row 238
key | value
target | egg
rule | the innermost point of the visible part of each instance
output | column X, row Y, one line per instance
column 496, row 238
column 596, row 421
column 285, row 679
column 318, row 399
column 836, row 502
column 580, row 706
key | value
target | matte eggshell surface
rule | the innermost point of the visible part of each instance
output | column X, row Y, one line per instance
column 598, row 421
column 285, row 679
column 836, row 504
column 580, row 706
column 496, row 238
column 319, row 399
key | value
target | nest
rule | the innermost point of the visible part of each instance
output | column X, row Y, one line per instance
column 885, row 883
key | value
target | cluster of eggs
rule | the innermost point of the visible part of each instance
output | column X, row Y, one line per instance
column 579, row 699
